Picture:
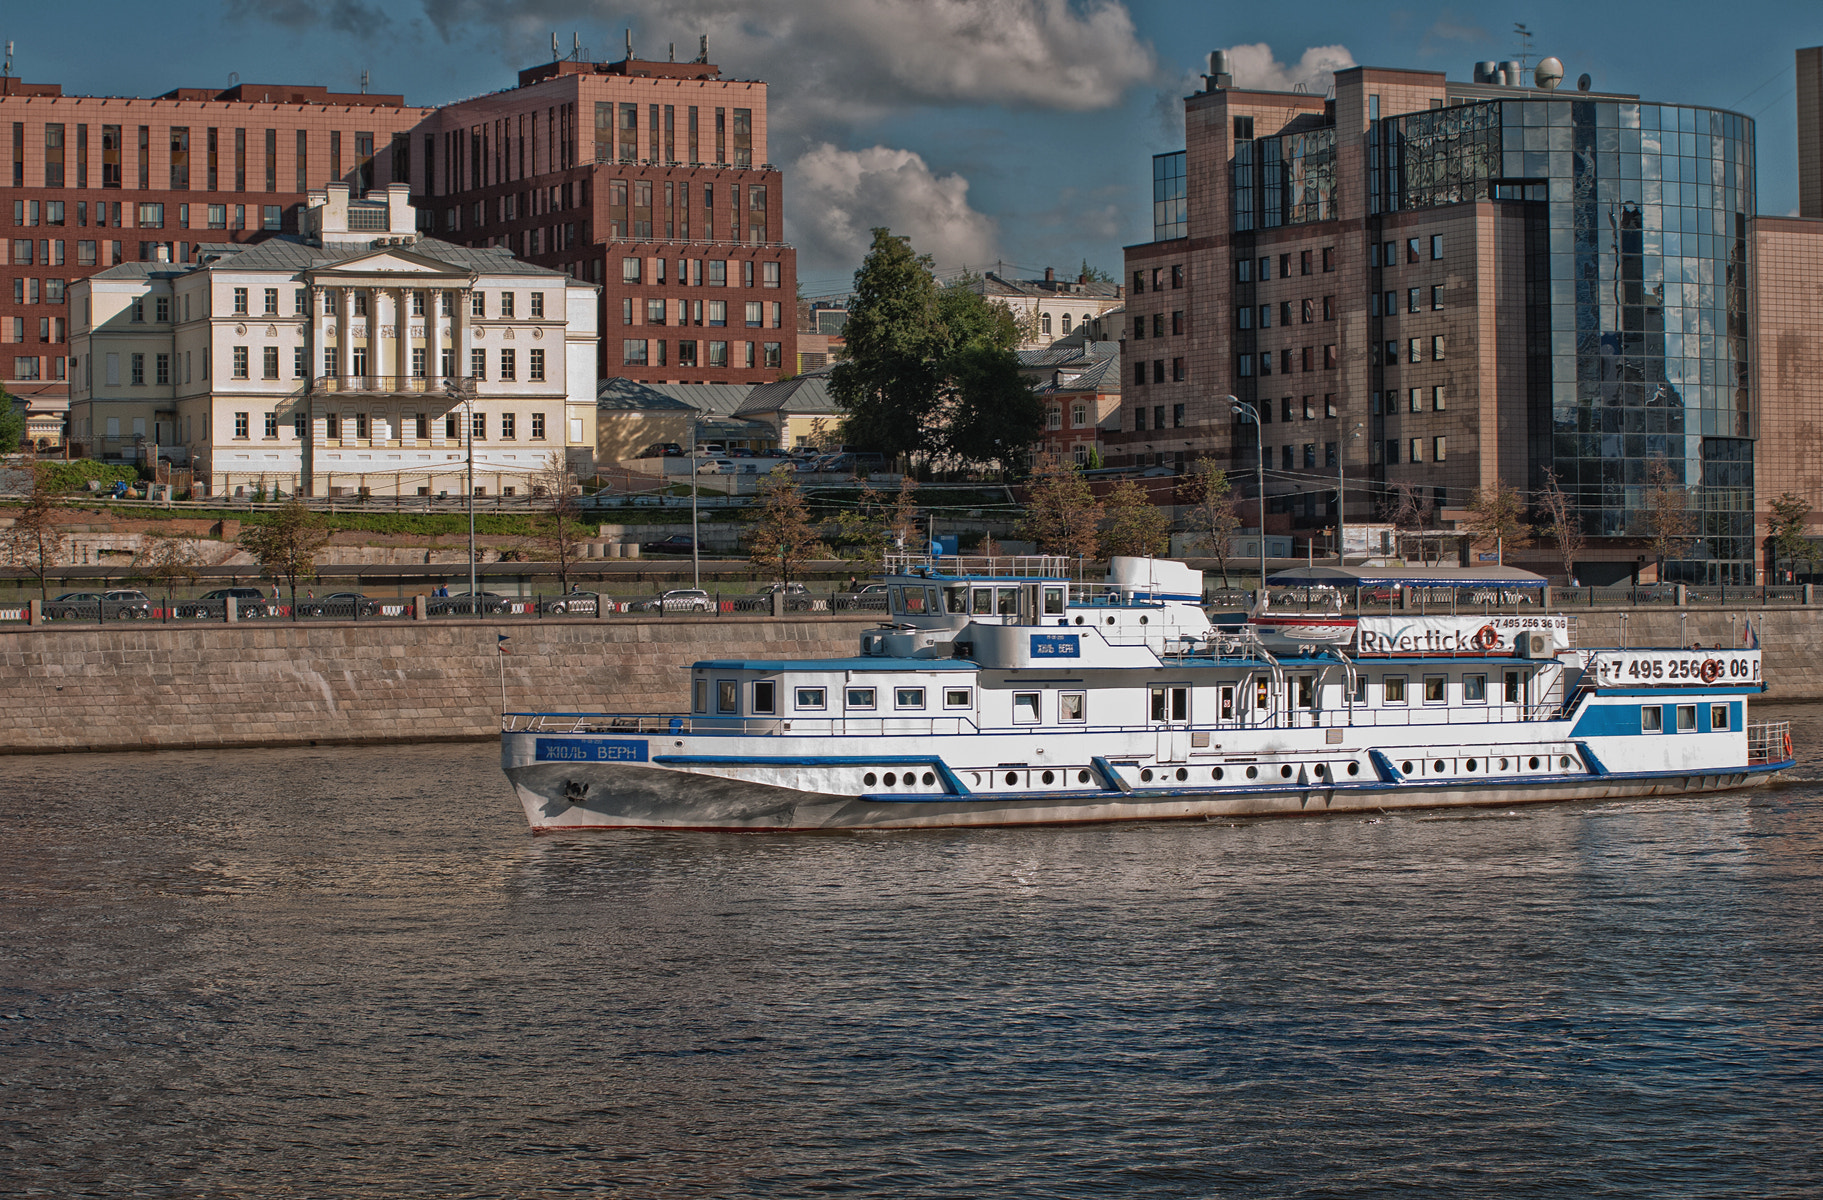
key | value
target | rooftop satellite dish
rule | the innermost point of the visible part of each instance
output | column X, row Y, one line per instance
column 1548, row 74
column 1583, row 82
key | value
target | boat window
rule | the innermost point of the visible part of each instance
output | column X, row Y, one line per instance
column 765, row 696
column 1025, row 707
column 699, row 696
column 1262, row 694
column 914, row 600
column 1170, row 703
column 727, row 695
column 1009, row 601
column 1512, row 687
column 908, row 697
column 1392, row 689
column 895, row 600
column 1474, row 689
column 1686, row 718
column 931, row 595
column 1227, row 702
column 1718, row 718
column 813, row 698
column 955, row 599
column 1360, row 689
column 1307, row 691
column 860, row 697
column 1053, row 601
column 958, row 697
column 983, row 603
column 1651, row 718
column 1070, row 706
column 1433, row 689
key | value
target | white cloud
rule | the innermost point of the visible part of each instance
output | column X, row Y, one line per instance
column 1255, row 67
column 838, row 196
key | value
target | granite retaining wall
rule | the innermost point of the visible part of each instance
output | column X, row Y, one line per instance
column 137, row 687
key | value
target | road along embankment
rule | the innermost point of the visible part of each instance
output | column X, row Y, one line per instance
column 139, row 687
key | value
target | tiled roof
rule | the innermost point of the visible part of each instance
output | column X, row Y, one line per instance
column 712, row 399
column 997, row 285
column 806, row 393
column 1063, row 354
column 295, row 254
column 1102, row 376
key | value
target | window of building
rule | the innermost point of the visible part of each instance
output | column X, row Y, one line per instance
column 1414, row 350
column 240, row 362
column 1416, row 451
column 1178, row 373
column 509, row 426
column 1437, row 348
column 1436, row 297
column 240, row 301
column 1436, row 246
column 271, row 217
column 1437, row 398
column 509, row 364
column 633, row 352
column 477, row 363
column 300, row 364
column 478, row 426
column 1411, row 250
column 1392, row 452
column 240, row 425
column 269, row 362
column 535, row 366
column 1439, row 446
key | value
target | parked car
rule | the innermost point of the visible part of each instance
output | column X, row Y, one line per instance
column 715, row 466
column 662, row 450
column 741, row 452
column 578, row 604
column 252, row 602
column 792, row 588
column 461, row 604
column 678, row 600
column 340, row 604
column 121, row 604
column 677, row 543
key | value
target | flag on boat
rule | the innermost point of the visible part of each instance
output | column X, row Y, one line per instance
column 1749, row 638
column 502, row 643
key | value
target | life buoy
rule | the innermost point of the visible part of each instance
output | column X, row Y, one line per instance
column 1788, row 754
column 1487, row 638
column 1712, row 670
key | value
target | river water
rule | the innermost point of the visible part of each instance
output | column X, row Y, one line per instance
column 339, row 972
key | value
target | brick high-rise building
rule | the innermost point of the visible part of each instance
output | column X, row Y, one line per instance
column 91, row 182
column 648, row 178
column 1445, row 285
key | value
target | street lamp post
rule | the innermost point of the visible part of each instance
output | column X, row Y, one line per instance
column 1342, row 495
column 696, row 562
column 468, row 419
column 1248, row 412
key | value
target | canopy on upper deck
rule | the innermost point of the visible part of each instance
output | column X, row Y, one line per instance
column 1351, row 577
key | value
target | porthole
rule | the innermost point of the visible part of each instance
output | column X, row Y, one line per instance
column 1564, row 762
column 1405, row 768
column 1319, row 770
column 1143, row 620
column 1285, row 771
column 1079, row 619
column 1110, row 620
column 910, row 780
column 1354, row 768
column 1532, row 763
column 1012, row 777
column 1182, row 774
column 870, row 779
column 1437, row 766
column 1218, row 772
column 1503, row 764
column 1145, row 776
column 1469, row 765
column 1253, row 772
column 1082, row 776
column 1050, row 777
column 891, row 779
column 929, row 778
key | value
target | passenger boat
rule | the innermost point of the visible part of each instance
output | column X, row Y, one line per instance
column 1006, row 692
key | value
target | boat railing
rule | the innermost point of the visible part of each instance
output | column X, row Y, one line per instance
column 661, row 724
column 983, row 566
column 1768, row 742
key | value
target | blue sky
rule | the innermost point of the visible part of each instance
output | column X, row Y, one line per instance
column 1014, row 131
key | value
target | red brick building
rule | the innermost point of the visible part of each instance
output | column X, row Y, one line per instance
column 650, row 179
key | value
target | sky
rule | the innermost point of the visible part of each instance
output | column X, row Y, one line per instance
column 997, row 134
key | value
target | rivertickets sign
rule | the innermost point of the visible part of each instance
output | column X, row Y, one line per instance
column 1491, row 634
column 1677, row 668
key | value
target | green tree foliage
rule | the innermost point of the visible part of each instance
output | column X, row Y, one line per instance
column 929, row 370
column 166, row 559
column 1062, row 514
column 783, row 537
column 1135, row 525
column 1790, row 512
column 1211, row 510
column 34, row 541
column 12, row 423
column 1095, row 274
column 286, row 544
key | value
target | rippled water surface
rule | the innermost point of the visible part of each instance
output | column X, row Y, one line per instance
column 353, row 972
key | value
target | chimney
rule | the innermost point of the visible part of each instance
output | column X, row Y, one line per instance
column 1081, row 279
column 1050, row 275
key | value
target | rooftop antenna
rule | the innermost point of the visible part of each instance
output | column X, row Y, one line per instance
column 576, row 46
column 629, row 45
column 673, row 57
column 8, row 69
column 364, row 80
column 555, row 55
column 1525, row 47
column 702, row 48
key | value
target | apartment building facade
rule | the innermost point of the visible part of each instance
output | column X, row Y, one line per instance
column 1428, row 285
column 650, row 179
column 351, row 358
column 94, row 182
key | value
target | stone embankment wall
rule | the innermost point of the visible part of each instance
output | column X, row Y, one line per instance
column 137, row 687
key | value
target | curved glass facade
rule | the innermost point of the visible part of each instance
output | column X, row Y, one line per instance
column 1638, row 320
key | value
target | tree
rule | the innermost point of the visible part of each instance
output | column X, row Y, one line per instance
column 861, row 530
column 1095, row 274
column 166, row 559
column 12, row 423
column 783, row 536
column 1136, row 526
column 1211, row 501
column 286, row 544
column 34, row 543
column 1496, row 513
column 1561, row 521
column 886, row 381
column 902, row 523
column 1062, row 514
column 1670, row 525
column 560, row 532
column 1790, row 512
column 1409, row 512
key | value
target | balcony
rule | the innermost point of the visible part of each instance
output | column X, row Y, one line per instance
column 386, row 385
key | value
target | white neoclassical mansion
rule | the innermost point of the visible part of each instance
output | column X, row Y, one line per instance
column 356, row 358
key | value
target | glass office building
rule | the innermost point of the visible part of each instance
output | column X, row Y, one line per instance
column 1637, row 262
